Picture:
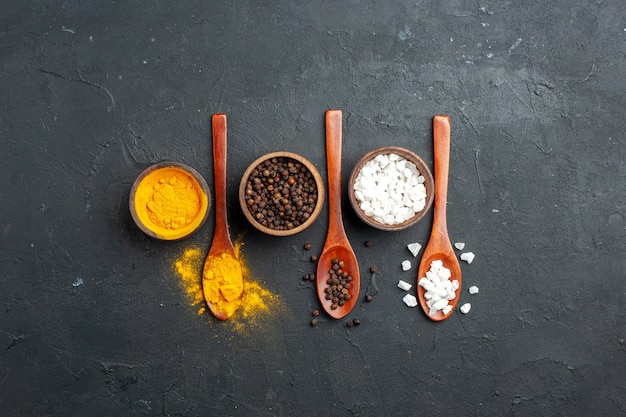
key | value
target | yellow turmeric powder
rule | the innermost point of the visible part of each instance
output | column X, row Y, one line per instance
column 222, row 282
column 170, row 202
column 188, row 267
column 258, row 307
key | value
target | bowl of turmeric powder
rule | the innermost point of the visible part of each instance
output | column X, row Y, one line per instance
column 169, row 201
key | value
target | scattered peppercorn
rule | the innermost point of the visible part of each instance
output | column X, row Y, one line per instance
column 307, row 246
column 349, row 323
column 316, row 313
column 356, row 322
column 281, row 193
column 313, row 258
column 369, row 243
column 311, row 277
column 305, row 277
column 313, row 322
column 373, row 269
column 369, row 297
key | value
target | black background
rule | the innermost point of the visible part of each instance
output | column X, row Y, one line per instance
column 93, row 317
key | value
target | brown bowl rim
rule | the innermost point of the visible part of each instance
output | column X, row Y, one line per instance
column 160, row 165
column 318, row 181
column 422, row 168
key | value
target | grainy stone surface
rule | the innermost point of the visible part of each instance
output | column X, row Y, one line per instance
column 93, row 320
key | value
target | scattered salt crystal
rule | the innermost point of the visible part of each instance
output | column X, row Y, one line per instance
column 473, row 289
column 446, row 310
column 465, row 308
column 459, row 245
column 414, row 248
column 410, row 300
column 467, row 257
column 404, row 285
column 406, row 265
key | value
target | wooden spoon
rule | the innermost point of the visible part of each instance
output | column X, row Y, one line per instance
column 337, row 245
column 439, row 246
column 222, row 277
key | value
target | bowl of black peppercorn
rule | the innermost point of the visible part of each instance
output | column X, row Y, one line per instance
column 281, row 193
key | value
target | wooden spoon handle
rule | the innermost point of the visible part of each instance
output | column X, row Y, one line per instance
column 219, row 170
column 441, row 136
column 333, row 155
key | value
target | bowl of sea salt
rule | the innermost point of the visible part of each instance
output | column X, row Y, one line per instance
column 391, row 188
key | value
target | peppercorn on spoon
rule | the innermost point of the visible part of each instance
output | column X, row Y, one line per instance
column 439, row 246
column 222, row 276
column 337, row 248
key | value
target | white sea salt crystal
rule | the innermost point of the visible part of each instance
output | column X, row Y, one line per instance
column 414, row 248
column 440, row 304
column 404, row 285
column 467, row 257
column 473, row 289
column 393, row 184
column 406, row 265
column 410, row 300
column 465, row 308
column 439, row 290
column 459, row 245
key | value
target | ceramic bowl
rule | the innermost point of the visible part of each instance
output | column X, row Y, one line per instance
column 421, row 167
column 265, row 215
column 157, row 207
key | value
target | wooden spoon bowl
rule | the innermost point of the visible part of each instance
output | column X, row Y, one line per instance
column 449, row 261
column 325, row 264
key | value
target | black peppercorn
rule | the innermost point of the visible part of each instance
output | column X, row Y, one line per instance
column 271, row 186
column 314, row 322
column 316, row 313
column 307, row 246
column 356, row 322
column 369, row 297
column 369, row 243
column 373, row 269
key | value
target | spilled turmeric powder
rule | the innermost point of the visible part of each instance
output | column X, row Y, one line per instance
column 188, row 267
column 170, row 202
column 258, row 306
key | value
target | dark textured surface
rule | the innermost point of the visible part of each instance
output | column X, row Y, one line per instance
column 93, row 319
